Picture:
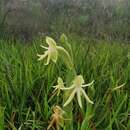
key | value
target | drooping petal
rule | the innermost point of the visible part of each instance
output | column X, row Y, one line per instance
column 41, row 57
column 48, row 59
column 69, row 88
column 79, row 98
column 44, row 47
column 55, row 86
column 70, row 98
column 86, row 96
column 54, row 91
column 54, row 56
column 58, row 92
column 89, row 84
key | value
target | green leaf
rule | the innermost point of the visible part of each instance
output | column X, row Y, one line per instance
column 2, row 109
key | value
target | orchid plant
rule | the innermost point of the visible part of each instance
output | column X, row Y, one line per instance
column 76, row 86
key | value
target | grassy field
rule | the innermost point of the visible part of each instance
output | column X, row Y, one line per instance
column 26, row 93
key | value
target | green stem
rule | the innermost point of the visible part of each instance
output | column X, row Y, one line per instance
column 69, row 108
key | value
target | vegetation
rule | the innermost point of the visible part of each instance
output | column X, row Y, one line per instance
column 27, row 94
column 79, row 82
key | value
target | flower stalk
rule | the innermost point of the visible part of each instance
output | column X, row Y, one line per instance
column 75, row 83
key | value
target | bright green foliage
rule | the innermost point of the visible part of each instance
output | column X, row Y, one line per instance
column 1, row 118
column 26, row 85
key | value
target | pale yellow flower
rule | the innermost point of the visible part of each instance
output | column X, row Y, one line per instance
column 60, row 86
column 77, row 88
column 51, row 51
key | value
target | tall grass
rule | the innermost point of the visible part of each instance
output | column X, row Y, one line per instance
column 26, row 85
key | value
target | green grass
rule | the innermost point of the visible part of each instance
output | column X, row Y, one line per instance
column 26, row 85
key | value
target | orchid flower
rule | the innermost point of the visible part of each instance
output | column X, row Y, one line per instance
column 77, row 88
column 51, row 52
column 57, row 119
column 60, row 86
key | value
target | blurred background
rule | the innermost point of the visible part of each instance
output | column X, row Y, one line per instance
column 99, row 19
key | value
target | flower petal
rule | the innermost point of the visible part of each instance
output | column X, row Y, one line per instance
column 50, row 41
column 70, row 98
column 86, row 96
column 79, row 98
column 41, row 57
column 54, row 56
column 55, row 86
column 89, row 84
column 44, row 47
column 69, row 88
column 48, row 59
